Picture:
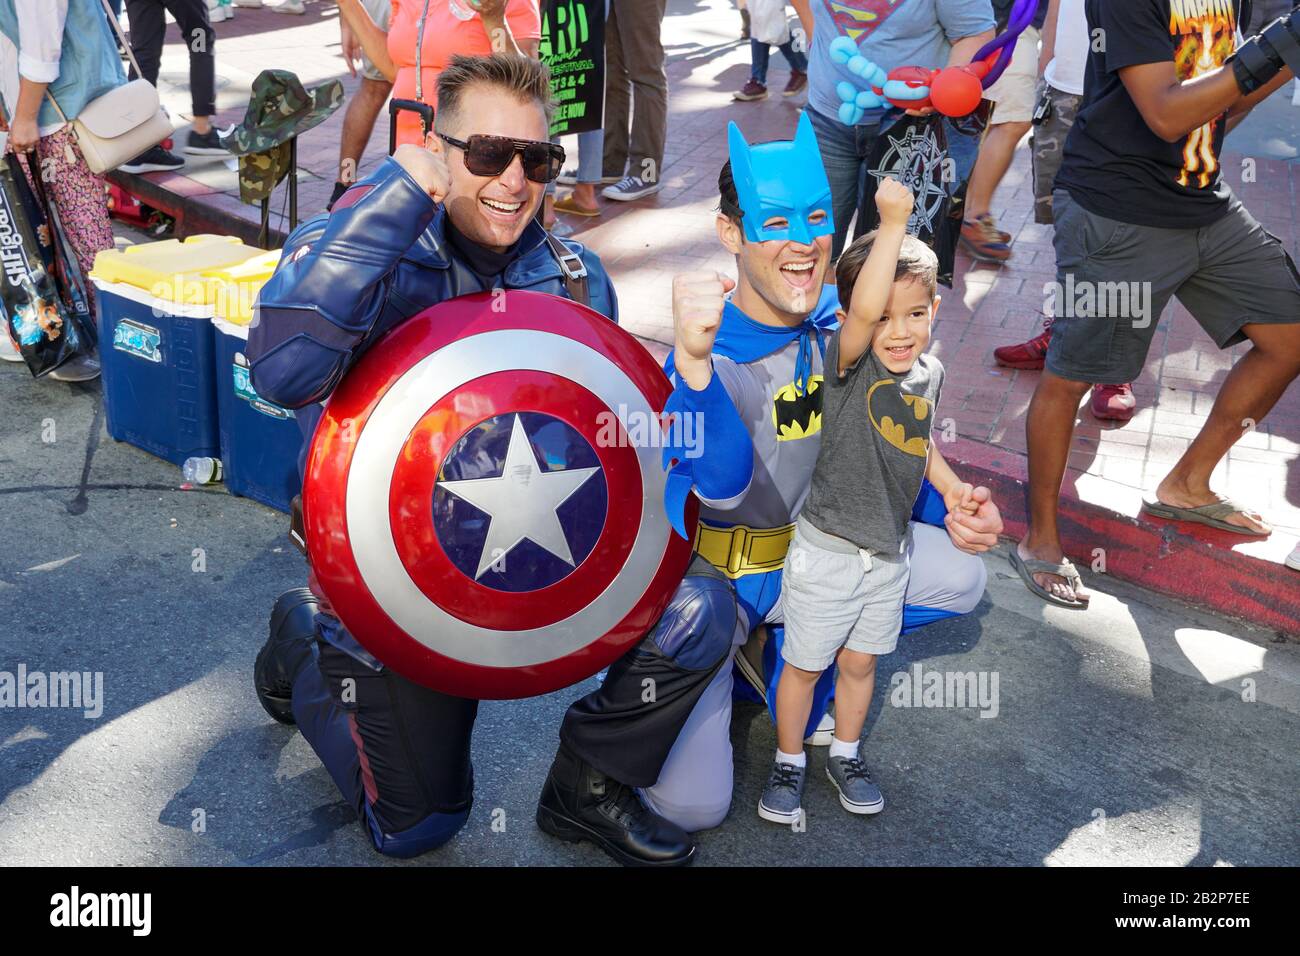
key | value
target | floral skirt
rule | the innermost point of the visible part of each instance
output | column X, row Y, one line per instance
column 79, row 195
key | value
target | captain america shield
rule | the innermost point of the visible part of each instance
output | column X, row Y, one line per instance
column 477, row 512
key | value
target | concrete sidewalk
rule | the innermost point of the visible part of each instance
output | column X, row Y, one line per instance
column 645, row 243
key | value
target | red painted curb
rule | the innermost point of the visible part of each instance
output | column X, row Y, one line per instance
column 1199, row 566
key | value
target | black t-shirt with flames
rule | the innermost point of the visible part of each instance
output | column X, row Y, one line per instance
column 1114, row 165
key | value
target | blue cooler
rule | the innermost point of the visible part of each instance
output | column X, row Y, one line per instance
column 156, row 343
column 260, row 441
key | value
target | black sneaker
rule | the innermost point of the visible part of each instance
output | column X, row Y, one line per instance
column 205, row 144
column 153, row 160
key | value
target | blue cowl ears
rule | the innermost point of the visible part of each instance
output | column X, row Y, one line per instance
column 784, row 178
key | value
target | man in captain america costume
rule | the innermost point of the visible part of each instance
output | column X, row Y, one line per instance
column 749, row 370
column 425, row 228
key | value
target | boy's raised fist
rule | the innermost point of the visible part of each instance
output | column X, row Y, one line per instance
column 894, row 200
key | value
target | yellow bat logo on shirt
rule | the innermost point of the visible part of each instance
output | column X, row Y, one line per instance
column 796, row 415
column 899, row 417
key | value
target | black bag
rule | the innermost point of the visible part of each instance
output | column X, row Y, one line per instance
column 67, row 270
column 44, row 316
column 914, row 150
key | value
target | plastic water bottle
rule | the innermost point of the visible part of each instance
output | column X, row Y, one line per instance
column 461, row 10
column 202, row 471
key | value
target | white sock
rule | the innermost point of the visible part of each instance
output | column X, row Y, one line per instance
column 843, row 748
column 799, row 759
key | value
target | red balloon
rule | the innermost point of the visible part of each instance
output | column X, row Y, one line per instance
column 956, row 91
column 913, row 76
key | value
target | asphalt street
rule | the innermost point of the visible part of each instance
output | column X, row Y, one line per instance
column 1137, row 733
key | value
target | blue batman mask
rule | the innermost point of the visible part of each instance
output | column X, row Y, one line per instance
column 784, row 179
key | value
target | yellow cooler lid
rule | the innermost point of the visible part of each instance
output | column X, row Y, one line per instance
column 232, row 290
column 170, row 269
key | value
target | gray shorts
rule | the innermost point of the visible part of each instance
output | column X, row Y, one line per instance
column 381, row 12
column 1113, row 279
column 834, row 595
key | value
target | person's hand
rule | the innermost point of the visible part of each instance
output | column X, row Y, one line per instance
column 427, row 165
column 24, row 134
column 974, row 525
column 894, row 201
column 349, row 47
column 698, row 298
column 959, row 498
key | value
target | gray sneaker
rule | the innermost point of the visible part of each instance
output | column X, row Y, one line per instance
column 781, row 801
column 853, row 781
column 630, row 188
column 570, row 178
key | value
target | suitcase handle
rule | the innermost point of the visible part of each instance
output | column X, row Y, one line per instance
column 396, row 106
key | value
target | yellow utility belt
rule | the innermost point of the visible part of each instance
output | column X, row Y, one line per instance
column 741, row 550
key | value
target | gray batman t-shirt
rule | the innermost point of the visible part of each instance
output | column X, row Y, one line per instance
column 874, row 449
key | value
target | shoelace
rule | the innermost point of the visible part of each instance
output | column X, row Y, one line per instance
column 623, row 805
column 629, row 182
column 785, row 775
column 855, row 769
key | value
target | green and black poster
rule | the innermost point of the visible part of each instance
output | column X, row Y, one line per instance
column 573, row 46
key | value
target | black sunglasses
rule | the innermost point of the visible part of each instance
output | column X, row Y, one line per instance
column 492, row 155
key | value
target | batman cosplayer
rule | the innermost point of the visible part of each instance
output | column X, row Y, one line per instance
column 635, row 776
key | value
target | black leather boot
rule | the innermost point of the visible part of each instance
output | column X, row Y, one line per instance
column 287, row 649
column 581, row 803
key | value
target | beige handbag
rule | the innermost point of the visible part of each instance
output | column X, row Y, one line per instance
column 122, row 123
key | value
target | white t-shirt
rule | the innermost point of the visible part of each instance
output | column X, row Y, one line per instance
column 40, row 29
column 1070, row 55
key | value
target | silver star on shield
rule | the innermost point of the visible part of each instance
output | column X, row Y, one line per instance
column 521, row 503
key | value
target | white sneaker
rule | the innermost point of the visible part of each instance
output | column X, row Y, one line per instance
column 218, row 11
column 290, row 6
column 629, row 188
column 8, row 351
column 1293, row 559
column 251, row 4
column 821, row 737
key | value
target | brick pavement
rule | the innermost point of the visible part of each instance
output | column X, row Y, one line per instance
column 643, row 244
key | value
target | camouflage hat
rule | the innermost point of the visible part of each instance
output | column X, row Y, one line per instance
column 279, row 109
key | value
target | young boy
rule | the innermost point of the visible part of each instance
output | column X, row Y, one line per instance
column 846, row 572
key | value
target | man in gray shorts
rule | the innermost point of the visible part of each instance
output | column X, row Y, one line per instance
column 366, row 103
column 1143, row 213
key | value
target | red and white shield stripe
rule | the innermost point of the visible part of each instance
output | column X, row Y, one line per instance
column 379, row 451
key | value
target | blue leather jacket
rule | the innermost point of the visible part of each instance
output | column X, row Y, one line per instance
column 379, row 258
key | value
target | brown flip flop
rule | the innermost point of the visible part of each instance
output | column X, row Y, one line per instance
column 573, row 209
column 1028, row 567
column 1211, row 515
